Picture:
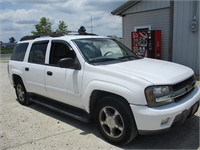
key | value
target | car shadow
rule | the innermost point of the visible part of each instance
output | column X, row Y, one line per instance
column 86, row 128
column 185, row 136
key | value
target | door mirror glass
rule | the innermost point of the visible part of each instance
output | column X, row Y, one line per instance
column 69, row 63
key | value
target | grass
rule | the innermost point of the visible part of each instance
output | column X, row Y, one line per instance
column 4, row 61
column 6, row 50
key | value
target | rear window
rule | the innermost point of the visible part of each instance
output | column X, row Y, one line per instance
column 38, row 52
column 19, row 52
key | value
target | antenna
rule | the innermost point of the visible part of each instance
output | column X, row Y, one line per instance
column 91, row 25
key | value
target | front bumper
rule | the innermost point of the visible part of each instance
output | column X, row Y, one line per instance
column 152, row 119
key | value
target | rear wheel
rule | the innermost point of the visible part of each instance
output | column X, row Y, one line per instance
column 114, row 120
column 22, row 96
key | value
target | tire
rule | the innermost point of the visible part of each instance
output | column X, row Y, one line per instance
column 22, row 95
column 115, row 121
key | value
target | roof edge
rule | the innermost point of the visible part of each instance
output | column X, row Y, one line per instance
column 124, row 7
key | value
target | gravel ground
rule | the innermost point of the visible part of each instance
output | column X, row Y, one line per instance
column 36, row 127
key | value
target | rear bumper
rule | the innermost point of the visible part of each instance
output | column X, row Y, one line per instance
column 152, row 120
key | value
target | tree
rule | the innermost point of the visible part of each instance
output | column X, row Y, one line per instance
column 62, row 28
column 12, row 40
column 43, row 27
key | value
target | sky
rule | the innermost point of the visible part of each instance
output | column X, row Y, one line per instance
column 18, row 17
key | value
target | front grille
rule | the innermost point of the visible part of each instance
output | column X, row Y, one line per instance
column 184, row 83
column 183, row 88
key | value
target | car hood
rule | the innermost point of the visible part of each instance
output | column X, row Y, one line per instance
column 155, row 71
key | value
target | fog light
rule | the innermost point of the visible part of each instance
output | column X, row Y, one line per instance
column 165, row 121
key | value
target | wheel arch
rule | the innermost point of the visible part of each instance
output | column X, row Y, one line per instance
column 97, row 95
column 96, row 89
column 15, row 78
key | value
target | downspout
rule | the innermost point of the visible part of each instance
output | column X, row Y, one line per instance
column 194, row 29
column 194, row 25
column 171, row 29
column 198, row 46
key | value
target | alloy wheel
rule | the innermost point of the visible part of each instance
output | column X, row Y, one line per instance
column 20, row 93
column 111, row 122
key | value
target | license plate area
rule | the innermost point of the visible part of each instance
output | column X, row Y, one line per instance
column 195, row 108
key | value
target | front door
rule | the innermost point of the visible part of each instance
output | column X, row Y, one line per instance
column 62, row 84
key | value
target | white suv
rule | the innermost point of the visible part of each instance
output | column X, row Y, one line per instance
column 88, row 76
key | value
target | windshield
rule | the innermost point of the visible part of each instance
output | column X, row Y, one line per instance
column 103, row 49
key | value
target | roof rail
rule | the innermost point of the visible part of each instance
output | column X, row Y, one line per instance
column 32, row 37
column 89, row 34
column 78, row 33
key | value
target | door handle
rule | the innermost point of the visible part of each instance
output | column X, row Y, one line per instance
column 49, row 73
column 26, row 69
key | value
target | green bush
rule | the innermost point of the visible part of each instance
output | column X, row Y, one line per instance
column 6, row 50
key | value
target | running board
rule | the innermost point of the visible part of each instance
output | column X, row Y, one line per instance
column 63, row 109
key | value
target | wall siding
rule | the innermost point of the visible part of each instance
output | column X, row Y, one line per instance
column 147, row 5
column 185, row 42
column 158, row 19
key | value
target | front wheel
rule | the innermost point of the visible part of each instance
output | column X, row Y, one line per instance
column 115, row 121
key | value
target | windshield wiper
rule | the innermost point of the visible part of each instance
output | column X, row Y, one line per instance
column 102, row 60
column 128, row 56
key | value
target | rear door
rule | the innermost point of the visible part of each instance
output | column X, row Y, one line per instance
column 35, row 68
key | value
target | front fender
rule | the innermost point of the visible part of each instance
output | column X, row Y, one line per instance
column 111, row 88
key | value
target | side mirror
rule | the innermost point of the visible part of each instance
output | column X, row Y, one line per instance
column 69, row 63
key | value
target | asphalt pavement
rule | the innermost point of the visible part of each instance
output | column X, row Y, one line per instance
column 36, row 127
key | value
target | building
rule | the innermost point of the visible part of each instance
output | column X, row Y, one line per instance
column 178, row 22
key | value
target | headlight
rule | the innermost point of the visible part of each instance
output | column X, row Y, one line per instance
column 158, row 95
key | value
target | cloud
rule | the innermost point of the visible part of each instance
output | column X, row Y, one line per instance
column 20, row 15
column 103, row 5
column 21, row 21
column 33, row 1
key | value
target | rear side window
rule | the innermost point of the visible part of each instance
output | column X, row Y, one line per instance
column 19, row 52
column 38, row 52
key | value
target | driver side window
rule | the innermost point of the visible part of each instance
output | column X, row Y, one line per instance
column 60, row 50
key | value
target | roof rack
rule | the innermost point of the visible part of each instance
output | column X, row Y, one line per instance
column 88, row 34
column 32, row 37
column 80, row 33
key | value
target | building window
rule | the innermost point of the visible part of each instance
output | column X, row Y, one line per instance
column 142, row 28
